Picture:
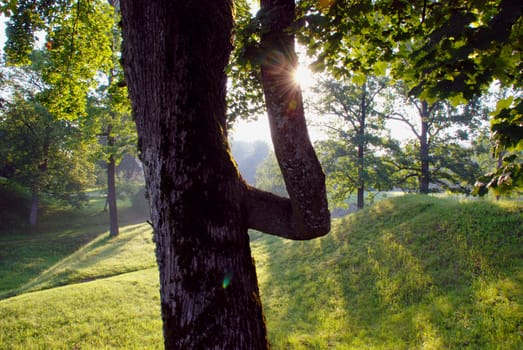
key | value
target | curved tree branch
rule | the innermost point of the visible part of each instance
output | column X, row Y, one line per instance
column 305, row 215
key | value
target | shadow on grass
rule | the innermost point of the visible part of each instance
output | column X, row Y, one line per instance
column 43, row 258
column 103, row 257
column 407, row 273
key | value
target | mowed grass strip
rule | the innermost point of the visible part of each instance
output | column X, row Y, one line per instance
column 103, row 256
column 71, row 246
column 131, row 250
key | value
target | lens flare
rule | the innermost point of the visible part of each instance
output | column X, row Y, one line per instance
column 227, row 278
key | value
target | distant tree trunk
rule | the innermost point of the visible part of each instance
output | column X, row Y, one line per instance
column 424, row 178
column 361, row 150
column 33, row 214
column 111, row 192
column 498, row 166
column 175, row 54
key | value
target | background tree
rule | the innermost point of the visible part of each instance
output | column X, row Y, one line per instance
column 110, row 110
column 354, row 138
column 438, row 153
column 111, row 107
column 44, row 153
column 81, row 41
column 269, row 178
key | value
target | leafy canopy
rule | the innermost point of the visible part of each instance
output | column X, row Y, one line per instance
column 441, row 49
column 77, row 46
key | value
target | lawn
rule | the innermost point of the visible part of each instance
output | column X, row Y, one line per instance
column 411, row 272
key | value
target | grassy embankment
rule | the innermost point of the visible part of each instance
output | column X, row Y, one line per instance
column 408, row 273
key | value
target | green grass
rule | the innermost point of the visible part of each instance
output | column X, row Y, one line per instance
column 72, row 245
column 121, row 312
column 410, row 272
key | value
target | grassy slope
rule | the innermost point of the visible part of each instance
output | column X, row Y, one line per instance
column 410, row 272
column 66, row 243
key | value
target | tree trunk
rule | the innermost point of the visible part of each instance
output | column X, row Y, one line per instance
column 111, row 192
column 498, row 166
column 424, row 178
column 361, row 149
column 175, row 54
column 33, row 214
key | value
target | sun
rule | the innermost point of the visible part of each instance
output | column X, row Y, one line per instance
column 303, row 77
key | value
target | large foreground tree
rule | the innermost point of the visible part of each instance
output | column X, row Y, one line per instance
column 175, row 57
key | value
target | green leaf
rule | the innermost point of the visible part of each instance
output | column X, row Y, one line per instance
column 380, row 68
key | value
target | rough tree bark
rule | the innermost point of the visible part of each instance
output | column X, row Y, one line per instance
column 175, row 54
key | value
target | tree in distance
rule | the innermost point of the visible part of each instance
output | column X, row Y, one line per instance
column 47, row 155
column 351, row 154
column 437, row 156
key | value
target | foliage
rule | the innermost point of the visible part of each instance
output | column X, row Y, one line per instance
column 44, row 153
column 408, row 272
column 109, row 111
column 351, row 154
column 77, row 47
column 441, row 50
column 508, row 145
column 439, row 152
column 245, row 96
column 341, row 164
column 109, row 106
column 14, row 204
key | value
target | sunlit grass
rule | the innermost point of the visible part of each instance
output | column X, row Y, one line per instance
column 117, row 313
column 414, row 272
column 104, row 256
column 408, row 273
